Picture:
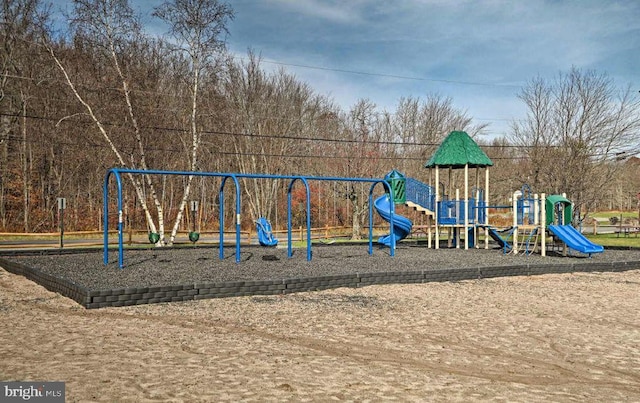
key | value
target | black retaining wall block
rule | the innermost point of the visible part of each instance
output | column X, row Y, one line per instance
column 319, row 283
column 548, row 269
column 238, row 288
column 503, row 271
column 451, row 275
column 624, row 266
column 394, row 277
column 591, row 267
column 91, row 299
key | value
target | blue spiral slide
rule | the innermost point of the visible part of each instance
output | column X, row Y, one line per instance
column 401, row 225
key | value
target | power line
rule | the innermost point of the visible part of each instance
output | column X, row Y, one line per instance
column 253, row 154
column 367, row 73
column 275, row 136
column 400, row 77
column 186, row 98
column 296, row 138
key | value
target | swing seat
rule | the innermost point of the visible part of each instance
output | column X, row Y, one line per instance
column 265, row 234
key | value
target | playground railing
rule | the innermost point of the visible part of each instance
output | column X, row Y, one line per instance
column 420, row 193
column 451, row 212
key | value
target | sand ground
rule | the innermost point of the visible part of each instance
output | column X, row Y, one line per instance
column 558, row 337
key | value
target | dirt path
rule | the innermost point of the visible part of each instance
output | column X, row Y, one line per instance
column 568, row 337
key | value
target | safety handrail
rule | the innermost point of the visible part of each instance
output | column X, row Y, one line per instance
column 420, row 193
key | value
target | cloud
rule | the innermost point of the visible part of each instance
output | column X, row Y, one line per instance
column 333, row 11
column 472, row 51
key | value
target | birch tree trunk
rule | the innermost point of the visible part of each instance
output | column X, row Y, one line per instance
column 196, row 26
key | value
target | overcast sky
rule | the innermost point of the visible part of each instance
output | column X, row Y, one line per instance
column 479, row 53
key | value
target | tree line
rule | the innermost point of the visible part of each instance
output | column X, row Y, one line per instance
column 99, row 92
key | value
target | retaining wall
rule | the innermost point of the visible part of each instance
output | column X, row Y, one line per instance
column 202, row 290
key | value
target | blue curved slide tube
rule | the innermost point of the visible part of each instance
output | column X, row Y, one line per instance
column 265, row 234
column 401, row 225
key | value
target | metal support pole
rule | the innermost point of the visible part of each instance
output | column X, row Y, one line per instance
column 62, row 204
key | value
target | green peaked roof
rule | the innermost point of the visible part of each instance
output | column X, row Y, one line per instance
column 458, row 150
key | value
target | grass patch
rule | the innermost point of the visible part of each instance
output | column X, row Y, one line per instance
column 631, row 241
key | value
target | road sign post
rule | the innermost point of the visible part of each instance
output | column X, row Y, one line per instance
column 62, row 205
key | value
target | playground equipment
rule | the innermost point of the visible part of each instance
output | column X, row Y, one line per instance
column 460, row 215
column 116, row 173
column 574, row 239
column 466, row 215
column 413, row 194
column 528, row 227
column 402, row 226
column 194, row 235
column 265, row 233
column 502, row 237
column 537, row 217
column 558, row 218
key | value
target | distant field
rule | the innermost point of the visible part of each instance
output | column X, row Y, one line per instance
column 605, row 215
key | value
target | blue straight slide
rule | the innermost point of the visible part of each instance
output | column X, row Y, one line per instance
column 504, row 244
column 401, row 225
column 574, row 239
column 265, row 234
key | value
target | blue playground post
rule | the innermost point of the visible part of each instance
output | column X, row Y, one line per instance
column 308, row 204
column 105, row 200
column 116, row 172
column 221, row 215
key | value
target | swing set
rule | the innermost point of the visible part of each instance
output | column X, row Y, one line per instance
column 116, row 173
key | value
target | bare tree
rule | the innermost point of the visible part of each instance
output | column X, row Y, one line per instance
column 22, row 22
column 112, row 32
column 198, row 27
column 362, row 129
column 268, row 114
column 109, row 27
column 426, row 123
column 576, row 127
